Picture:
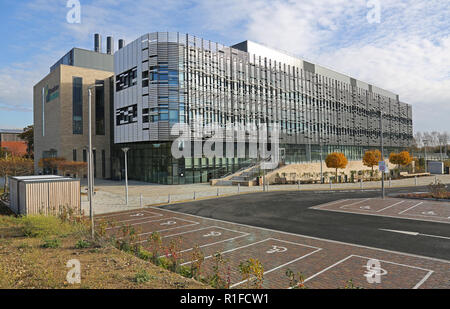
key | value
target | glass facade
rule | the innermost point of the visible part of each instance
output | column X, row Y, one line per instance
column 186, row 79
column 100, row 108
column 77, row 105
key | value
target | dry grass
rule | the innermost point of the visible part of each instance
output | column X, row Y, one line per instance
column 24, row 263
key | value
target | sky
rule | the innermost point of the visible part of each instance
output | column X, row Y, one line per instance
column 403, row 47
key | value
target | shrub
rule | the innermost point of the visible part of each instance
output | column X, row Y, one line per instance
column 144, row 254
column 51, row 243
column 81, row 244
column 142, row 276
column 164, row 262
column 185, row 271
column 438, row 189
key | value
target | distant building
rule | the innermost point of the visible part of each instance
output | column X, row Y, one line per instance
column 10, row 141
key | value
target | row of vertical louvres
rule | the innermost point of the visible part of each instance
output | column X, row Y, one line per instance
column 109, row 44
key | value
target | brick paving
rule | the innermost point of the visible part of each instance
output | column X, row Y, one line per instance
column 323, row 263
column 415, row 209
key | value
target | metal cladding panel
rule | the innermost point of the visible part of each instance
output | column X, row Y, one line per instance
column 225, row 83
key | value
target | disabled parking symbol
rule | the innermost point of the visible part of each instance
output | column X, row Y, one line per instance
column 276, row 249
column 212, row 234
column 137, row 215
column 169, row 223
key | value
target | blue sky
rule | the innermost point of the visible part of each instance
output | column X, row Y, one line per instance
column 407, row 52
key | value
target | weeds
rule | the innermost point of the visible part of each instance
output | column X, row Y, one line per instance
column 172, row 254
column 351, row 285
column 142, row 276
column 43, row 226
column 252, row 268
column 51, row 243
column 82, row 244
column 155, row 243
column 216, row 280
column 197, row 260
column 296, row 281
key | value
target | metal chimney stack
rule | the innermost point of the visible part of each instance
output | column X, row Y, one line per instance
column 121, row 43
column 109, row 45
column 97, row 43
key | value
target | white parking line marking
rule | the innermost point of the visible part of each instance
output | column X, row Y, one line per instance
column 312, row 237
column 401, row 212
column 169, row 221
column 390, row 206
column 429, row 272
column 329, row 204
column 354, row 203
column 281, row 266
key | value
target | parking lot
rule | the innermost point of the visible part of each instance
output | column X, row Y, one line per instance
column 324, row 263
column 422, row 210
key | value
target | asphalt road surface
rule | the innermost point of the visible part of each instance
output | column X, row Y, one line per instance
column 289, row 212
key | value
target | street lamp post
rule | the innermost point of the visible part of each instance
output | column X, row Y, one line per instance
column 125, row 150
column 425, row 142
column 90, row 157
column 382, row 154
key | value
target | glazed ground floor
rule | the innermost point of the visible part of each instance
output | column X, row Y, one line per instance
column 153, row 162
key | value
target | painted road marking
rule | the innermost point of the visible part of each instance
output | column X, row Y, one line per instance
column 354, row 203
column 311, row 237
column 395, row 204
column 366, row 274
column 134, row 216
column 414, row 233
column 401, row 212
column 330, row 203
column 270, row 249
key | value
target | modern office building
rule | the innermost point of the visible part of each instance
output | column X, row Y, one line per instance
column 166, row 78
column 60, row 107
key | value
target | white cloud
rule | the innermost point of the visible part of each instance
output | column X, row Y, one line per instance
column 407, row 53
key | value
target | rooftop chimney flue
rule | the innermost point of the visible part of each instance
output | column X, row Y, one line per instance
column 109, row 45
column 97, row 43
column 121, row 43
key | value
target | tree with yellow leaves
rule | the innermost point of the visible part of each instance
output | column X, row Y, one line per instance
column 371, row 158
column 336, row 160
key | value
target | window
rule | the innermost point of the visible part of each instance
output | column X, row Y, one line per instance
column 77, row 105
column 173, row 115
column 74, row 155
column 103, row 164
column 100, row 108
column 126, row 115
column 84, row 155
column 126, row 79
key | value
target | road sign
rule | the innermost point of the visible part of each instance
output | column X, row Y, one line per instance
column 382, row 166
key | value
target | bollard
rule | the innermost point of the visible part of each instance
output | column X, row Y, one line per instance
column 217, row 191
column 168, row 199
column 299, row 184
column 239, row 188
column 389, row 182
column 194, row 195
column 435, row 179
column 331, row 185
column 361, row 184
column 415, row 181
column 140, row 201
